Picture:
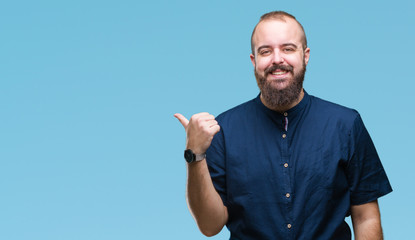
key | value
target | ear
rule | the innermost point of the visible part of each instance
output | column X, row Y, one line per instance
column 306, row 55
column 252, row 59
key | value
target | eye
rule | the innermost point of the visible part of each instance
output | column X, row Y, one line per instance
column 288, row 50
column 265, row 52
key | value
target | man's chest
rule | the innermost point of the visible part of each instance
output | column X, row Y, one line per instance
column 270, row 163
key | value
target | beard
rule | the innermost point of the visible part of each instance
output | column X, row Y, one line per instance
column 277, row 98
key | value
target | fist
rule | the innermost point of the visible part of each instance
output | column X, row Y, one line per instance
column 199, row 131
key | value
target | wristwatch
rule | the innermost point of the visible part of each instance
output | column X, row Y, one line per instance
column 191, row 157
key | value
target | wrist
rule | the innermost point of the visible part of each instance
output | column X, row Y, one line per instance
column 191, row 156
column 196, row 149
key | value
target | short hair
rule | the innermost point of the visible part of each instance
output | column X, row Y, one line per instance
column 277, row 15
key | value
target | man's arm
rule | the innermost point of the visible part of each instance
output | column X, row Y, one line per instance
column 366, row 221
column 204, row 202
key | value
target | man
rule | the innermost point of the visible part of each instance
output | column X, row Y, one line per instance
column 285, row 165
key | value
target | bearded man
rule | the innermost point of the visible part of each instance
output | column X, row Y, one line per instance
column 285, row 165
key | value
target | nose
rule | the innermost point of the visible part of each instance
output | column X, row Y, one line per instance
column 277, row 58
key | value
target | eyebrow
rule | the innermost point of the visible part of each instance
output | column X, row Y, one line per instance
column 283, row 45
column 289, row 44
column 264, row 46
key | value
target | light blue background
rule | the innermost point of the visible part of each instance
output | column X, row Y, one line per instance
column 89, row 148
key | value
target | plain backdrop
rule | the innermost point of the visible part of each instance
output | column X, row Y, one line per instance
column 89, row 148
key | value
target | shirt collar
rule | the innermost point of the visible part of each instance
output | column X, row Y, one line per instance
column 292, row 112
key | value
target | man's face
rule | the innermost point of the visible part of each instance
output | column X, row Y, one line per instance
column 280, row 61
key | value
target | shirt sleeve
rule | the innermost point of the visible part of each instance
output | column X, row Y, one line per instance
column 215, row 157
column 366, row 176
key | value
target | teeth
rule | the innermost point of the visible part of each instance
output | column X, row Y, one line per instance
column 278, row 73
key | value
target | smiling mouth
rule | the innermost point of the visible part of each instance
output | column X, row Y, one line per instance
column 279, row 72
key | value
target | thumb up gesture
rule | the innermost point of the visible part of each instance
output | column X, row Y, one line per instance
column 200, row 130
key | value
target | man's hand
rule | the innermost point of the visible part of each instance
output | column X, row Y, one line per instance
column 204, row 202
column 199, row 131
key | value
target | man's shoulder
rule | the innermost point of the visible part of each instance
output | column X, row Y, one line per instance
column 238, row 111
column 333, row 110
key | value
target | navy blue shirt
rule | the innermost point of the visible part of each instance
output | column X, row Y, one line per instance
column 293, row 175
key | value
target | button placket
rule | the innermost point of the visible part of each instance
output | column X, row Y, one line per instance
column 286, row 171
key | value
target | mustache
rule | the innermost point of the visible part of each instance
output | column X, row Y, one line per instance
column 278, row 67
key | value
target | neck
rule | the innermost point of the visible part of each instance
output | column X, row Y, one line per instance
column 284, row 108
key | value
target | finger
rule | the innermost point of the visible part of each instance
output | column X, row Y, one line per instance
column 182, row 119
column 210, row 117
column 202, row 117
column 212, row 123
column 215, row 129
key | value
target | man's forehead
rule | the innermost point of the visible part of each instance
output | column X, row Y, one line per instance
column 278, row 29
column 287, row 26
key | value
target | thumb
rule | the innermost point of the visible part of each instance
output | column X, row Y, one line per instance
column 182, row 119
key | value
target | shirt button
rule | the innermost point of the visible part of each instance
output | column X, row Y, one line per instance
column 287, row 195
column 284, row 135
column 289, row 226
column 285, row 164
column 285, row 114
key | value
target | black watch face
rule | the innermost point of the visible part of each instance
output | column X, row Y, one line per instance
column 189, row 156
